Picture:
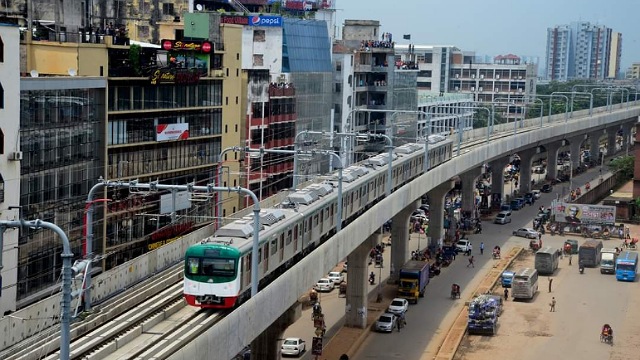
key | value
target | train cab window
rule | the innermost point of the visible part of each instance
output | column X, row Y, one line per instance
column 217, row 267
column 194, row 265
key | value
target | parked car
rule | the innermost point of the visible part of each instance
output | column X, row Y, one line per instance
column 546, row 188
column 506, row 207
column 292, row 346
column 324, row 284
column 398, row 306
column 526, row 233
column 503, row 217
column 529, row 198
column 516, row 204
column 463, row 245
column 336, row 276
column 386, row 322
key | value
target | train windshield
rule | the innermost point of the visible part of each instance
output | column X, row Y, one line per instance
column 211, row 267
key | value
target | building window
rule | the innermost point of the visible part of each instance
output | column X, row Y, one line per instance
column 259, row 36
column 1, row 142
column 167, row 9
column 1, row 97
column 258, row 60
column 1, row 189
column 1, row 50
column 339, row 66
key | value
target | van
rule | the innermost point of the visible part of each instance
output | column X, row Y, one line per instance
column 503, row 217
column 608, row 261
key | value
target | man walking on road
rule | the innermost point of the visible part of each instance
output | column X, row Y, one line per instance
column 552, row 304
column 471, row 262
column 481, row 248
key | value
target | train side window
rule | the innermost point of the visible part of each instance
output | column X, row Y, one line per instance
column 326, row 213
column 274, row 246
column 259, row 255
column 266, row 251
column 288, row 236
column 315, row 220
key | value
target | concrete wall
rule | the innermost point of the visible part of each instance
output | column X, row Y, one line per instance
column 240, row 327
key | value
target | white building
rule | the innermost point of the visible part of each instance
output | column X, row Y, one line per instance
column 10, row 157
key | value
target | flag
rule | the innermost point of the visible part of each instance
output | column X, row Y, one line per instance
column 406, row 36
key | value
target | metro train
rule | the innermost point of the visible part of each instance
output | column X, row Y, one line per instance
column 217, row 271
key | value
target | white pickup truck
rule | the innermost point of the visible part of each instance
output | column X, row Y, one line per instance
column 608, row 260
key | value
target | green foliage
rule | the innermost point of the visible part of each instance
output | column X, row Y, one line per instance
column 221, row 11
column 624, row 164
column 134, row 59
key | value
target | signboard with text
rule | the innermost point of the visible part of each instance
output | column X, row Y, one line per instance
column 187, row 45
column 584, row 213
column 166, row 132
column 175, row 76
column 256, row 20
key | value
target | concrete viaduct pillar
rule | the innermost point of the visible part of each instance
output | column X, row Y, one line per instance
column 526, row 157
column 594, row 145
column 436, row 212
column 468, row 180
column 552, row 160
column 497, row 180
column 574, row 149
column 626, row 136
column 611, row 141
column 265, row 346
column 357, row 286
column 400, row 239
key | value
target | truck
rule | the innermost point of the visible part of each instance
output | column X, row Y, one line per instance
column 484, row 311
column 589, row 253
column 413, row 280
column 608, row 260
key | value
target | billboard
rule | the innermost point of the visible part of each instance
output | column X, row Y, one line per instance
column 165, row 132
column 255, row 20
column 583, row 213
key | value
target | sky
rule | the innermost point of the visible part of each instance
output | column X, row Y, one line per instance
column 495, row 27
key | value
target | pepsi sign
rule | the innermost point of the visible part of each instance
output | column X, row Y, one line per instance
column 265, row 20
column 254, row 20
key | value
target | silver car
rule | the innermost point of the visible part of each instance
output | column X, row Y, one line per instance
column 503, row 217
column 386, row 322
column 526, row 233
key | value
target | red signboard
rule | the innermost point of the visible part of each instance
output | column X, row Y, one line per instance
column 187, row 45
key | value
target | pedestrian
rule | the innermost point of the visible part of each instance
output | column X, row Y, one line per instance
column 550, row 281
column 471, row 262
column 539, row 236
column 570, row 257
column 469, row 249
column 506, row 294
column 552, row 304
column 481, row 248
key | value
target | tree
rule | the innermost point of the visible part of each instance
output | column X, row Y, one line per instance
column 624, row 164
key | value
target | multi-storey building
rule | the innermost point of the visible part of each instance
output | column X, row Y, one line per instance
column 10, row 156
column 582, row 50
column 368, row 87
column 449, row 70
column 633, row 72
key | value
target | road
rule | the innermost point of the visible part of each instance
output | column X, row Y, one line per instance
column 429, row 320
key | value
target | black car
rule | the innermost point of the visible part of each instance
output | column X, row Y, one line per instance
column 546, row 188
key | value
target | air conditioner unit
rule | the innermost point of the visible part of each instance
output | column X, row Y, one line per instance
column 473, row 88
column 497, row 76
column 519, row 90
column 473, row 76
column 457, row 76
column 480, row 88
column 15, row 156
column 218, row 73
column 519, row 77
column 457, row 88
column 497, row 89
column 481, row 76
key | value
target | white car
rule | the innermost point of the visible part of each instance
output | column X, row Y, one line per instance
column 324, row 284
column 292, row 346
column 336, row 276
column 536, row 194
column 386, row 322
column 526, row 233
column 463, row 245
column 398, row 306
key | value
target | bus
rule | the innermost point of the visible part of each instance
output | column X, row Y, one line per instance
column 627, row 266
column 547, row 260
column 524, row 284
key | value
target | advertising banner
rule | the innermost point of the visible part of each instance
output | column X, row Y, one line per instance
column 584, row 213
column 165, row 132
column 256, row 20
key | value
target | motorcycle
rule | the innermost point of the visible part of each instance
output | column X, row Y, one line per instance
column 372, row 279
column 581, row 269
